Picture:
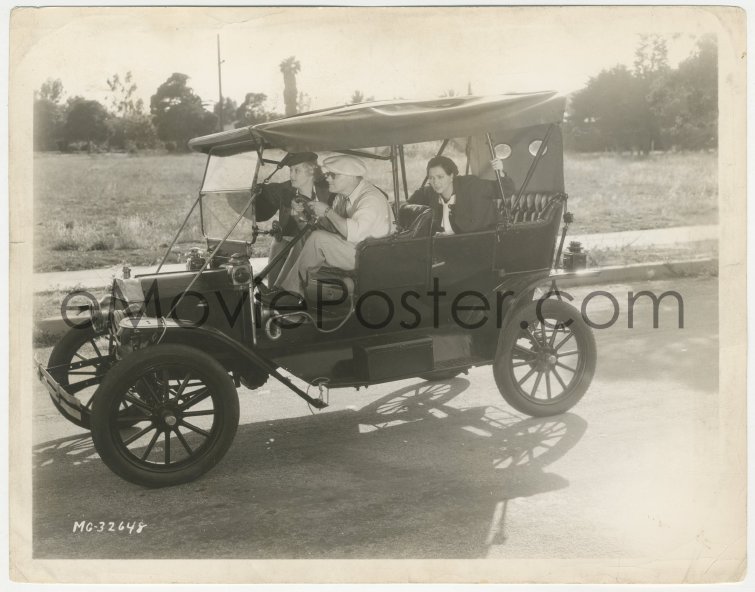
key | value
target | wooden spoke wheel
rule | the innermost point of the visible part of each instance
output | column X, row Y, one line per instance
column 189, row 414
column 545, row 362
column 79, row 362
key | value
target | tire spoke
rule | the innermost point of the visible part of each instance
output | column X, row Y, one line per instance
column 96, row 362
column 82, row 384
column 553, row 335
column 564, row 340
column 182, row 386
column 150, row 446
column 537, row 383
column 548, row 383
column 532, row 338
column 97, row 349
column 183, row 441
column 152, row 392
column 138, row 402
column 137, row 435
column 526, row 376
column 166, row 385
column 567, row 367
column 167, row 447
column 197, row 413
column 524, row 351
column 194, row 428
column 558, row 377
column 569, row 353
column 518, row 364
column 128, row 415
column 198, row 396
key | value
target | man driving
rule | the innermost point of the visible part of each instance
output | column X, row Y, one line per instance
column 359, row 211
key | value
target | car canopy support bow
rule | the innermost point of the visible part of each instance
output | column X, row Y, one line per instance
column 533, row 166
column 180, row 230
column 503, row 202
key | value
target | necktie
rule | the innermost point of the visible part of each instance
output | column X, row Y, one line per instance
column 340, row 205
column 447, row 209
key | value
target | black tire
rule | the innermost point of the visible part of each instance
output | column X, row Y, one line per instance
column 167, row 377
column 79, row 362
column 529, row 351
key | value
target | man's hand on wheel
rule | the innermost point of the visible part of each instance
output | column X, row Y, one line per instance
column 318, row 208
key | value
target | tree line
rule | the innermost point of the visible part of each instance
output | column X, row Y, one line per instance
column 176, row 114
column 651, row 106
column 648, row 107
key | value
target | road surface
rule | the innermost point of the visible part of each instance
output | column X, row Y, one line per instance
column 414, row 469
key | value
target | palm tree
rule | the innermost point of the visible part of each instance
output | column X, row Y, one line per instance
column 290, row 68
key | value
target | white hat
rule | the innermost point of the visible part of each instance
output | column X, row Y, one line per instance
column 345, row 164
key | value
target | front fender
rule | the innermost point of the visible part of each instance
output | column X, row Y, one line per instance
column 138, row 332
column 134, row 333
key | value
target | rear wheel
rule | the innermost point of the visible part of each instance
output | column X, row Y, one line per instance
column 544, row 366
column 190, row 414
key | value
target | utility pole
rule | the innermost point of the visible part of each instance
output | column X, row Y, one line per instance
column 220, row 89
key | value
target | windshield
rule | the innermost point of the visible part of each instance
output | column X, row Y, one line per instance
column 228, row 172
column 226, row 191
column 221, row 209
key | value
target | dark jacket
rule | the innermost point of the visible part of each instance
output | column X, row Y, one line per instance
column 277, row 197
column 475, row 207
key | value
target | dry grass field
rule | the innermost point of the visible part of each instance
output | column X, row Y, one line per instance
column 107, row 209
column 610, row 193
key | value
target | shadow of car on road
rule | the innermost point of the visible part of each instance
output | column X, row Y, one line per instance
column 414, row 474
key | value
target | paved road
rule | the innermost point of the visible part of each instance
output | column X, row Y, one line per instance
column 432, row 470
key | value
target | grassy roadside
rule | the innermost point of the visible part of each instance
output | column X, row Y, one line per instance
column 108, row 209
column 634, row 255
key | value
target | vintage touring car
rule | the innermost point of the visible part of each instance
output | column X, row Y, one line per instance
column 154, row 370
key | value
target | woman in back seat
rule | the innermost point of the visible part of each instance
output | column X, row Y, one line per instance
column 460, row 203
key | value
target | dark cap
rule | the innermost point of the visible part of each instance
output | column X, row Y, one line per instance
column 293, row 158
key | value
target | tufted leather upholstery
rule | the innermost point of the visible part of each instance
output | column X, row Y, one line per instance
column 531, row 207
column 414, row 221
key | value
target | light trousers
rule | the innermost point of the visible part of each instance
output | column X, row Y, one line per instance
column 322, row 248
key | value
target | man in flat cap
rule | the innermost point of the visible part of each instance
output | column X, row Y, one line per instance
column 360, row 210
column 306, row 185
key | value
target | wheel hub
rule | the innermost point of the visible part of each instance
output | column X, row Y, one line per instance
column 169, row 417
column 546, row 358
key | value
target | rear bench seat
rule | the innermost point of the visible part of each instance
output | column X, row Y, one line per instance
column 531, row 207
column 528, row 244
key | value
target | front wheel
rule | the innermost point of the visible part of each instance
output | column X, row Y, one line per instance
column 189, row 414
column 78, row 362
column 544, row 365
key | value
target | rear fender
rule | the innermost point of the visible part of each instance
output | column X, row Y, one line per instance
column 523, row 291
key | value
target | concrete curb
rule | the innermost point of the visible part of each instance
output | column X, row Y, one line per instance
column 642, row 272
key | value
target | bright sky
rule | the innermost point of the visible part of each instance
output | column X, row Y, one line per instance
column 384, row 52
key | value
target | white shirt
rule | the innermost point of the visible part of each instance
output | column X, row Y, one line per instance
column 447, row 213
column 368, row 213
